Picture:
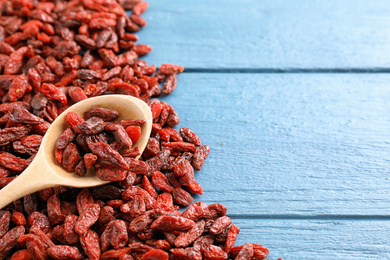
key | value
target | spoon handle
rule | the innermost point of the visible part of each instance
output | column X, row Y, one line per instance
column 34, row 178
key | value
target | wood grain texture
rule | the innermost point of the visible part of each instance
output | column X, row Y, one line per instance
column 318, row 239
column 291, row 145
column 272, row 34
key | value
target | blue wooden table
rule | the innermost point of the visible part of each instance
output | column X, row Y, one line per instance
column 293, row 98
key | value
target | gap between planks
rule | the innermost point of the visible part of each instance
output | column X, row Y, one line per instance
column 314, row 217
column 287, row 70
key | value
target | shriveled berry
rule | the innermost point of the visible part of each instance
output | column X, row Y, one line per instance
column 134, row 133
column 186, row 238
column 64, row 252
column 215, row 252
column 171, row 223
column 103, row 113
column 155, row 254
column 170, row 69
column 91, row 244
column 182, row 197
column 87, row 219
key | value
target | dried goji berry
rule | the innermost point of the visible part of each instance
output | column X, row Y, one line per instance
column 30, row 204
column 215, row 252
column 108, row 155
column 9, row 240
column 76, row 94
column 220, row 224
column 5, row 180
column 195, row 211
column 15, row 61
column 87, row 218
column 81, row 169
column 142, row 49
column 64, row 252
column 120, row 134
column 58, row 234
column 141, row 7
column 45, row 238
column 169, row 69
column 84, row 200
column 203, row 242
column 105, row 238
column 173, row 118
column 12, row 162
column 199, row 156
column 18, row 218
column 115, row 254
column 119, row 236
column 70, row 157
column 22, row 115
column 107, row 192
column 195, row 187
column 137, row 167
column 161, row 182
column 139, row 223
column 147, row 185
column 8, row 135
column 170, row 84
column 73, row 119
column 259, row 251
column 152, row 148
column 89, row 159
column 181, row 197
column 5, row 220
column 19, row 87
column 23, row 254
column 231, row 237
column 134, row 133
column 155, row 254
column 107, row 212
column 180, row 147
column 215, row 210
column 39, row 220
column 165, row 202
column 110, row 174
column 134, row 190
column 53, row 92
column 54, row 209
column 69, row 233
column 35, row 245
column 65, row 138
column 138, row 19
column 171, row 223
column 186, row 253
column 134, row 207
column 186, row 238
column 91, row 244
column 91, row 126
column 159, row 161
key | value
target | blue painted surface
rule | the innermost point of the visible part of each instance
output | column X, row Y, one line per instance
column 269, row 33
column 301, row 160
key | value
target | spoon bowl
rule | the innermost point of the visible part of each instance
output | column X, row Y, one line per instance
column 45, row 172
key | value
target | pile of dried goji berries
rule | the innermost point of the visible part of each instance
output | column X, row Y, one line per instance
column 56, row 53
column 99, row 143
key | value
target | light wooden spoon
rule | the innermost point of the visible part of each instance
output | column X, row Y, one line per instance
column 44, row 171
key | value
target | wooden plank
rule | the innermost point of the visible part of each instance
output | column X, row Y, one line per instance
column 291, row 144
column 318, row 239
column 271, row 34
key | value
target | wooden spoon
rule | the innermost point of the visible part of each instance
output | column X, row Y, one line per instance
column 45, row 172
